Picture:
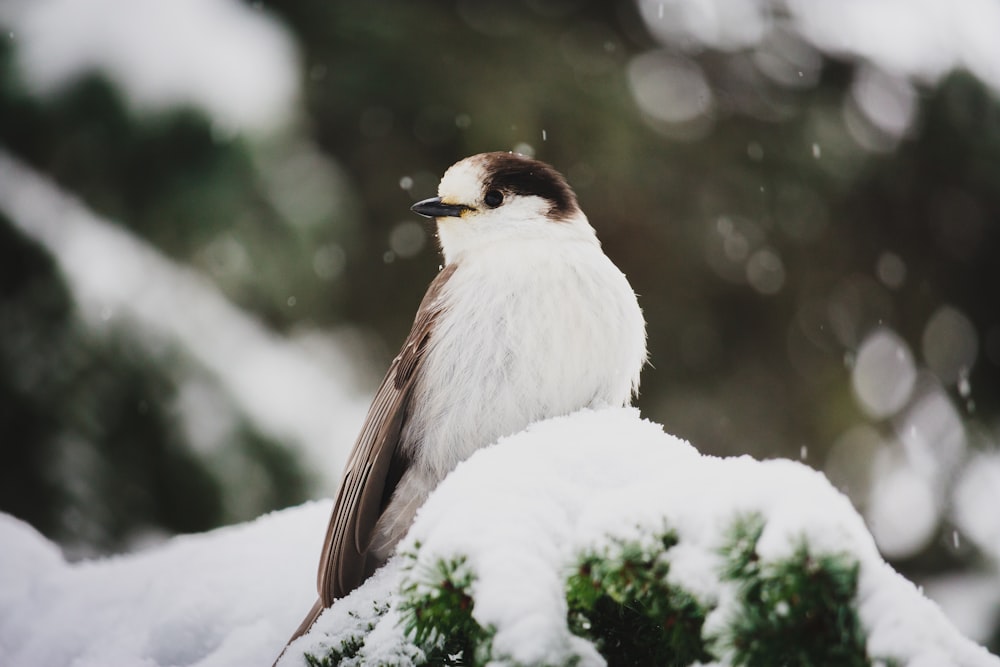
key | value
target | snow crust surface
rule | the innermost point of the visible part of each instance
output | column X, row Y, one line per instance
column 228, row 597
column 518, row 512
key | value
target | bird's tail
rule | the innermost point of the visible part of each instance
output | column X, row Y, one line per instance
column 303, row 628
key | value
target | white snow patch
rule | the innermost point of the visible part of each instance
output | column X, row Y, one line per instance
column 519, row 512
column 365, row 612
column 228, row 597
column 287, row 389
column 234, row 62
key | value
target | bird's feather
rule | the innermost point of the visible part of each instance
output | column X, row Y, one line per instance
column 376, row 462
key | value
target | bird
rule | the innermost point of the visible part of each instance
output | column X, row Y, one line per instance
column 527, row 319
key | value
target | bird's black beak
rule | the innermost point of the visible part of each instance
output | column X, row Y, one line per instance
column 435, row 208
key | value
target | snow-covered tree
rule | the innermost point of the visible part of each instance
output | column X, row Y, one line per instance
column 598, row 539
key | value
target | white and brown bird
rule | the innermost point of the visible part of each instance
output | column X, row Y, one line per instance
column 528, row 319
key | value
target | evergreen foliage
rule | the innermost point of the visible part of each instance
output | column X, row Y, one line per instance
column 437, row 612
column 620, row 600
column 121, row 436
column 346, row 651
column 799, row 610
column 94, row 454
column 795, row 611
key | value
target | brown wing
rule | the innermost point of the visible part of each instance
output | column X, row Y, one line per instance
column 375, row 464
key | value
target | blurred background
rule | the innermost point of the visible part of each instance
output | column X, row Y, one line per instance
column 207, row 258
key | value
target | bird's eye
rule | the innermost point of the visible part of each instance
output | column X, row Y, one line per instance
column 493, row 198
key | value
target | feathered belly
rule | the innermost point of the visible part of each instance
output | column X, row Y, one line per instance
column 540, row 341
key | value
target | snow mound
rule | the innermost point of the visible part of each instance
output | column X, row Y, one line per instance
column 228, row 597
column 518, row 514
column 514, row 517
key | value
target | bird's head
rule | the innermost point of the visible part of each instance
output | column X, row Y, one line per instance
column 501, row 197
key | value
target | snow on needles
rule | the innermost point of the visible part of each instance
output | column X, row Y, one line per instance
column 518, row 512
column 230, row 60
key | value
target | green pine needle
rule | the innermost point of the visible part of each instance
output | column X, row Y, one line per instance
column 621, row 601
column 350, row 647
column 801, row 610
column 437, row 614
column 797, row 611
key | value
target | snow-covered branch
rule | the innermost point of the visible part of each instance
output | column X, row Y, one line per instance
column 758, row 562
column 114, row 275
column 548, row 548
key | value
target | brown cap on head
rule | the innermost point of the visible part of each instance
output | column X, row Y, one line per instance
column 513, row 173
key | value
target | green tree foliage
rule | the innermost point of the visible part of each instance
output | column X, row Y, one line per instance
column 622, row 601
column 141, row 475
column 437, row 608
column 93, row 453
column 800, row 610
column 797, row 610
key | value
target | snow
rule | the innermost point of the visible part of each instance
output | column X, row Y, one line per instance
column 229, row 597
column 518, row 511
column 919, row 39
column 235, row 63
column 609, row 473
column 116, row 277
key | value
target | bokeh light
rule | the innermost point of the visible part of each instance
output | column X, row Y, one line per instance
column 884, row 373
column 208, row 262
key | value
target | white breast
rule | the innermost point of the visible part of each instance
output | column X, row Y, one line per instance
column 533, row 329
